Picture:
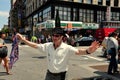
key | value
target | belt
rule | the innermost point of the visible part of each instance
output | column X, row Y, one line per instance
column 55, row 74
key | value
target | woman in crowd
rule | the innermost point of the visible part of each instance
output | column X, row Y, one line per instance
column 3, row 53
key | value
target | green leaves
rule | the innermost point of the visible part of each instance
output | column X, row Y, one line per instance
column 57, row 19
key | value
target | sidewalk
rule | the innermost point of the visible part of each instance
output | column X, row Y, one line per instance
column 103, row 68
column 92, row 72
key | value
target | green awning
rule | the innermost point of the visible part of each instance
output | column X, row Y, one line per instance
column 76, row 25
column 63, row 24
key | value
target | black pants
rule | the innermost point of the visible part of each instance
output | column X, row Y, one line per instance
column 55, row 76
column 113, row 65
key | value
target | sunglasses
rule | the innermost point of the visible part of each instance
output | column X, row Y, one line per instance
column 56, row 35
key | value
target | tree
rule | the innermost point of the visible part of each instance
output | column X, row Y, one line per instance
column 57, row 19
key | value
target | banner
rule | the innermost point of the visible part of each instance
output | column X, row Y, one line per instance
column 108, row 13
column 14, row 52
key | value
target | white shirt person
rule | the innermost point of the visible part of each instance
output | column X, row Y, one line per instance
column 58, row 53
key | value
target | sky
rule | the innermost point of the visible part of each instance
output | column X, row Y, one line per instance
column 4, row 12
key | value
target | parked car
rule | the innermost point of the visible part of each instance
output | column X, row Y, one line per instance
column 84, row 41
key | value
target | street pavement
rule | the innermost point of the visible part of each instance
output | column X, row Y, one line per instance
column 32, row 65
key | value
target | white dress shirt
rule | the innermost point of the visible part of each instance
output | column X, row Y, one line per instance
column 112, row 43
column 57, row 58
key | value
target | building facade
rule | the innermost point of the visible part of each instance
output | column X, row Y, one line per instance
column 17, row 15
column 91, row 11
column 86, row 11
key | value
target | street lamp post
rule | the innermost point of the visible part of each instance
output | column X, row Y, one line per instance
column 34, row 26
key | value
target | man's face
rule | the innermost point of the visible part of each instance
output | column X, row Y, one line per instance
column 57, row 38
column 3, row 36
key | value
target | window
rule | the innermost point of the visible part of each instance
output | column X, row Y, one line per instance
column 40, row 2
column 100, row 16
column 80, row 1
column 35, row 19
column 108, row 2
column 115, row 2
column 40, row 17
column 99, row 2
column 74, row 14
column 30, row 22
column 86, row 15
column 89, row 1
column 33, row 6
column 115, row 16
column 70, row 0
column 64, row 13
column 47, row 14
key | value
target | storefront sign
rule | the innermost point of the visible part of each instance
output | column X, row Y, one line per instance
column 90, row 26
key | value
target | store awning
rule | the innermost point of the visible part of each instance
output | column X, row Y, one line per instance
column 71, row 25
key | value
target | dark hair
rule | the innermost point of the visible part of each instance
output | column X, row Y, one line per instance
column 1, row 33
column 113, row 34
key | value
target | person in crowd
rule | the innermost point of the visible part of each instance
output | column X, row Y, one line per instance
column 58, row 53
column 119, row 49
column 71, row 40
column 119, row 54
column 3, row 53
column 48, row 39
column 14, row 33
column 34, row 39
column 65, row 38
column 112, row 51
column 104, row 46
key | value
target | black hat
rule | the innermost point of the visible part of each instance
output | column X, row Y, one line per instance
column 58, row 31
column 1, row 32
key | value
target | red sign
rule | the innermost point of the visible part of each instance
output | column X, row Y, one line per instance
column 103, row 32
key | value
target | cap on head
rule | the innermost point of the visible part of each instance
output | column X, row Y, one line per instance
column 58, row 31
column 2, row 32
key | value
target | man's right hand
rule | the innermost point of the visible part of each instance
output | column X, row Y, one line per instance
column 19, row 36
